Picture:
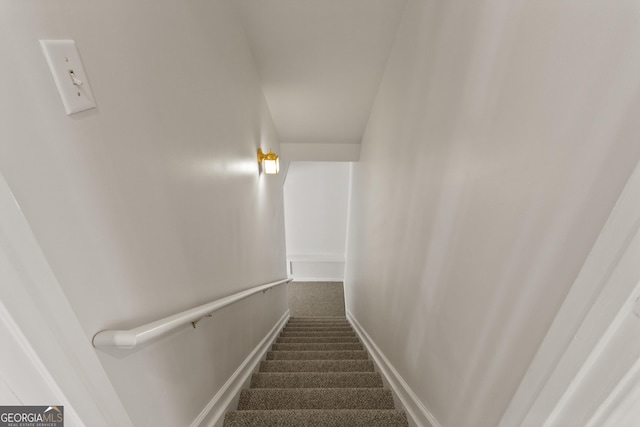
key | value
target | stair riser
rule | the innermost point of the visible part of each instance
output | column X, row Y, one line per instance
column 316, row 380
column 296, row 329
column 327, row 398
column 316, row 347
column 317, row 355
column 318, row 334
column 312, row 328
column 320, row 323
column 317, row 418
column 316, row 366
column 313, row 324
column 293, row 340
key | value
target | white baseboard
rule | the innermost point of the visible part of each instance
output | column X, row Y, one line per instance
column 417, row 413
column 213, row 414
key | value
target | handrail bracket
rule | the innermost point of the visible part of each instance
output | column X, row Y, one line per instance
column 195, row 322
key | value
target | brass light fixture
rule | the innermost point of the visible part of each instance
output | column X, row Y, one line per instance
column 270, row 162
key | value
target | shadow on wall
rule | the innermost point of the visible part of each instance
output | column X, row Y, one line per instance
column 316, row 299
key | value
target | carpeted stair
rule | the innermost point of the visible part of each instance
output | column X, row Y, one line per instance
column 316, row 374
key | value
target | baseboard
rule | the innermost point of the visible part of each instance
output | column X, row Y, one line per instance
column 213, row 414
column 417, row 413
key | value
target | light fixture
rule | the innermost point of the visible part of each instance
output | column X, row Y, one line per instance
column 270, row 162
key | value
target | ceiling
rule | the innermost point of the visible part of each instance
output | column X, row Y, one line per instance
column 320, row 63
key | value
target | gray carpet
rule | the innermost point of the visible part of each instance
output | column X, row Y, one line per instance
column 317, row 374
column 316, row 299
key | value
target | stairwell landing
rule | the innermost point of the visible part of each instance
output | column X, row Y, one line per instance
column 316, row 374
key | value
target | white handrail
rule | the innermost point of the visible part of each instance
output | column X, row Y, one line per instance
column 132, row 337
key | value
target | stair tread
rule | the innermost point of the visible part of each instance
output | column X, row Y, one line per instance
column 317, row 355
column 300, row 322
column 315, row 398
column 317, row 418
column 319, row 334
column 316, row 346
column 332, row 329
column 316, row 379
column 288, row 329
column 317, row 328
column 318, row 325
column 319, row 339
column 316, row 366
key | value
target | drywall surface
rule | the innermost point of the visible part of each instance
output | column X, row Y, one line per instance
column 151, row 203
column 316, row 203
column 320, row 63
column 501, row 137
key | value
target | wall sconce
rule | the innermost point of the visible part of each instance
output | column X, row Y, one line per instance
column 270, row 162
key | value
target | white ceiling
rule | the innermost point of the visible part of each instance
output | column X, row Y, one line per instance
column 321, row 62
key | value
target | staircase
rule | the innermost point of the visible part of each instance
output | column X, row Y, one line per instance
column 316, row 374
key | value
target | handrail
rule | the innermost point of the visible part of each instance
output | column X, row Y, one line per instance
column 132, row 337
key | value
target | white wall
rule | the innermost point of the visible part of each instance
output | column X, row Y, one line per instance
column 316, row 203
column 500, row 139
column 151, row 203
column 579, row 348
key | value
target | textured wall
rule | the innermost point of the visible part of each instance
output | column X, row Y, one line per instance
column 151, row 203
column 500, row 140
